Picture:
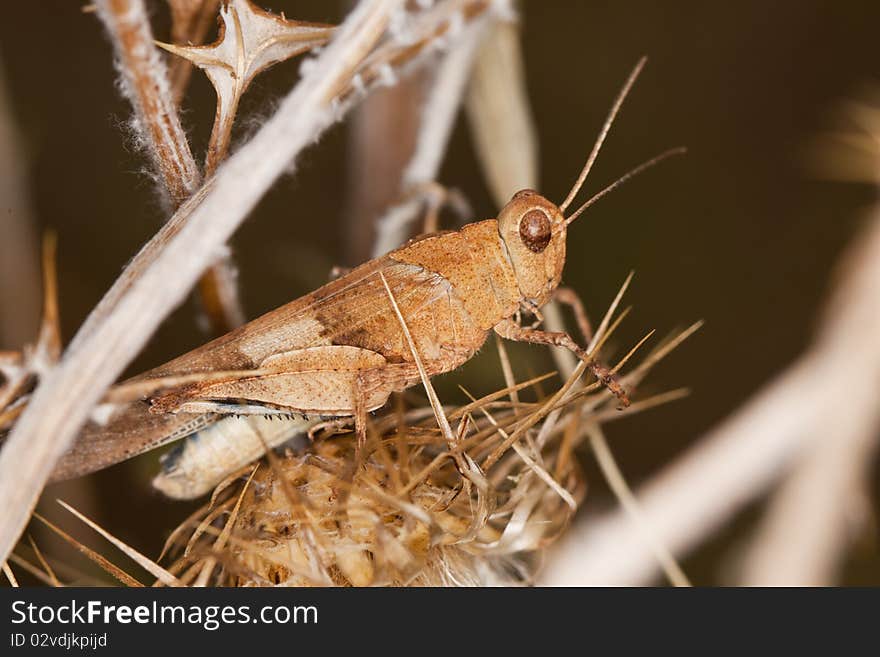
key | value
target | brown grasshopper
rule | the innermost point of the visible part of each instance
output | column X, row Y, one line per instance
column 340, row 352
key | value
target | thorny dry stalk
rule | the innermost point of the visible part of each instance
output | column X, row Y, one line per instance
column 386, row 131
column 161, row 275
column 249, row 41
column 145, row 83
column 157, row 124
column 190, row 22
column 438, row 118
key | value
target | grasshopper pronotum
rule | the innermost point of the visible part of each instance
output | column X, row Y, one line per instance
column 340, row 351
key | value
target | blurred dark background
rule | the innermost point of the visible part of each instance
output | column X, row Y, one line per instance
column 739, row 232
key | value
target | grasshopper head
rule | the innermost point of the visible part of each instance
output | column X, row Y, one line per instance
column 533, row 230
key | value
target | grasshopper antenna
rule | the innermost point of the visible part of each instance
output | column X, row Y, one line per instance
column 604, row 133
column 624, row 178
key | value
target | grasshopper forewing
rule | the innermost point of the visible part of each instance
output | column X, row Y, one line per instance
column 340, row 351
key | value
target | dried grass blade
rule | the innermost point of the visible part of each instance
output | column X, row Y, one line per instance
column 102, row 562
column 49, row 572
column 624, row 494
column 147, row 564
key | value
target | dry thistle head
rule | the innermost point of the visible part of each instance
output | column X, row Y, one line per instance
column 401, row 517
column 400, row 514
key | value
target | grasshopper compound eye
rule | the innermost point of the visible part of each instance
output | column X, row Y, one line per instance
column 535, row 230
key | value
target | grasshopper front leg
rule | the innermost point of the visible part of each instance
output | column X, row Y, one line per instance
column 570, row 298
column 510, row 330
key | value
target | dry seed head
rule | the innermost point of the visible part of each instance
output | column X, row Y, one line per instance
column 316, row 519
column 401, row 515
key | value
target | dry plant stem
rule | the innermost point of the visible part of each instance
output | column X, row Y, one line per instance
column 382, row 138
column 218, row 294
column 19, row 274
column 438, row 119
column 817, row 512
column 102, row 562
column 622, row 491
column 147, row 564
column 146, row 83
column 813, row 405
column 9, row 575
column 823, row 504
column 162, row 274
column 498, row 111
column 146, row 86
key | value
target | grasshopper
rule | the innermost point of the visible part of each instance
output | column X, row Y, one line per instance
column 340, row 351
